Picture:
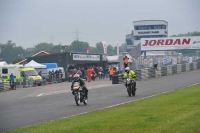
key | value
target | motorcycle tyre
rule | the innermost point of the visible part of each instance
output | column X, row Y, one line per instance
column 133, row 92
column 77, row 100
column 129, row 91
column 85, row 102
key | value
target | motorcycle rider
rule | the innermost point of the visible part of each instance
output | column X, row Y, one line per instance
column 129, row 74
column 82, row 84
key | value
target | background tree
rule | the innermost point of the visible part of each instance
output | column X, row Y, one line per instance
column 122, row 48
column 78, row 46
column 9, row 51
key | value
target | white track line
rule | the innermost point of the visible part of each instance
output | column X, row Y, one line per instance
column 65, row 91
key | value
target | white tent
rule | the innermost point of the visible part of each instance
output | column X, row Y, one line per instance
column 34, row 64
column 3, row 63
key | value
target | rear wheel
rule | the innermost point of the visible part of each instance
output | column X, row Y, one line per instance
column 133, row 91
column 77, row 100
column 129, row 91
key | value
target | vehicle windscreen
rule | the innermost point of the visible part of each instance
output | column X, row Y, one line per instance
column 31, row 73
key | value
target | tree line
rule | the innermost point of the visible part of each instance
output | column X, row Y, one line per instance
column 10, row 51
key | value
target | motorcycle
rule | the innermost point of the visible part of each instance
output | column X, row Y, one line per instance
column 79, row 94
column 93, row 76
column 130, row 87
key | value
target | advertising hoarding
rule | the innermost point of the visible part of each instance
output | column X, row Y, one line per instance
column 170, row 43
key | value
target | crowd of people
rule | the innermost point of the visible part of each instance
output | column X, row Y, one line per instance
column 54, row 76
column 91, row 72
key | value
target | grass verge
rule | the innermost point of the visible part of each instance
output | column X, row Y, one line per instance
column 173, row 112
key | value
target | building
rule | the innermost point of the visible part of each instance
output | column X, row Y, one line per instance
column 41, row 53
column 146, row 29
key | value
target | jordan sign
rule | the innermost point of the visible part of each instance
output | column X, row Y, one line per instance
column 172, row 43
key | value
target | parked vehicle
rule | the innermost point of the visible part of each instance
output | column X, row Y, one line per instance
column 79, row 94
column 18, row 72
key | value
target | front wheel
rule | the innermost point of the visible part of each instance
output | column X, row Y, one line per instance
column 77, row 99
column 129, row 91
column 85, row 101
column 133, row 91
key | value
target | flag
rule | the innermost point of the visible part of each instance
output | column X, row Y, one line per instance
column 87, row 50
column 117, row 48
column 104, row 47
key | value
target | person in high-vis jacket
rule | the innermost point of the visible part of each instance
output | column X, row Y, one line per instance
column 129, row 74
column 125, row 61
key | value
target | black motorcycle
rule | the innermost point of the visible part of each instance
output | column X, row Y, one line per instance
column 93, row 76
column 130, row 87
column 79, row 94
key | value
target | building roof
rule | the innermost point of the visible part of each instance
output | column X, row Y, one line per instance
column 46, row 52
column 149, row 20
column 3, row 63
column 18, row 60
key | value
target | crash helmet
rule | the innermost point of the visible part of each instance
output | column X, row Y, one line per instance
column 76, row 77
column 127, row 69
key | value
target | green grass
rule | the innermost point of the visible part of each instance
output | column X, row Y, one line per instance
column 173, row 112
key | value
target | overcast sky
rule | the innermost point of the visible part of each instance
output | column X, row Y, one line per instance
column 29, row 22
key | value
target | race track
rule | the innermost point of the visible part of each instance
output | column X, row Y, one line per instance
column 27, row 106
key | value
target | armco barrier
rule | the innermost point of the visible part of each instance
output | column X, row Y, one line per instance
column 169, row 70
column 178, row 68
column 149, row 73
column 191, row 67
column 174, row 69
column 158, row 72
column 194, row 65
column 198, row 65
column 187, row 67
column 4, row 86
column 138, row 75
column 163, row 71
column 144, row 73
column 183, row 67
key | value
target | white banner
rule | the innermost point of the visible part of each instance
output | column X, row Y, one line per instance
column 117, row 48
column 170, row 43
column 86, row 57
column 174, row 61
column 104, row 47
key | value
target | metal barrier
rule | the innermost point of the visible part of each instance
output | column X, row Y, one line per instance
column 5, row 86
column 149, row 73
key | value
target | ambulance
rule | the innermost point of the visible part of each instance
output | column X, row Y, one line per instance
column 18, row 71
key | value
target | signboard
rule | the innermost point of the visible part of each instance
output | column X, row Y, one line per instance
column 86, row 57
column 174, row 61
column 170, row 43
column 164, row 61
column 189, row 59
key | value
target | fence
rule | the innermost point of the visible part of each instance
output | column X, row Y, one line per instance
column 148, row 73
column 163, row 60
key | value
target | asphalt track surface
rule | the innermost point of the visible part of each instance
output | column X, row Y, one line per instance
column 28, row 106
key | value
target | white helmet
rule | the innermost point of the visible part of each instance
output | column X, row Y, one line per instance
column 127, row 69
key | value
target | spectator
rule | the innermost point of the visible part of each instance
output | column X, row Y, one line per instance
column 106, row 71
column 110, row 71
column 12, row 80
column 50, row 78
column 125, row 61
column 24, row 79
column 155, row 62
